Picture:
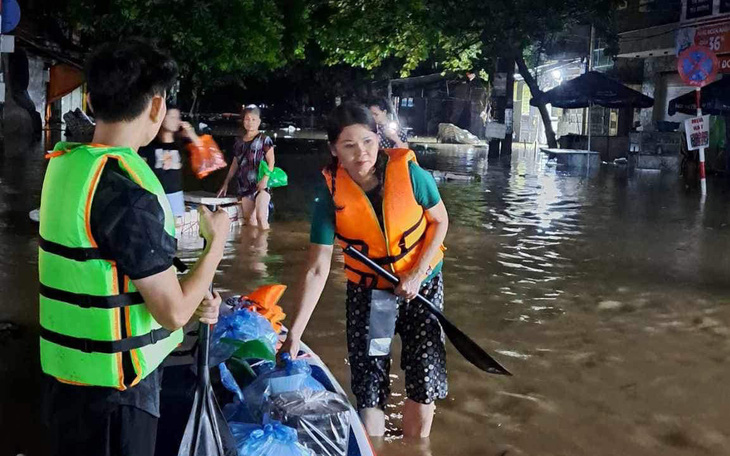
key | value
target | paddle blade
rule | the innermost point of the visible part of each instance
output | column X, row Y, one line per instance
column 469, row 349
column 207, row 432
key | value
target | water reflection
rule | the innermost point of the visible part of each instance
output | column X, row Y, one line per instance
column 254, row 245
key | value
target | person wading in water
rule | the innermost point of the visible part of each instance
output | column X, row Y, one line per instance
column 381, row 202
column 248, row 153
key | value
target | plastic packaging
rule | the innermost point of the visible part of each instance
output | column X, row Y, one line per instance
column 206, row 157
column 242, row 325
column 383, row 313
column 277, row 177
column 263, row 301
column 236, row 411
column 273, row 439
column 272, row 379
column 321, row 418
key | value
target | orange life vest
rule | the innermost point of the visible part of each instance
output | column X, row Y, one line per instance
column 264, row 301
column 397, row 245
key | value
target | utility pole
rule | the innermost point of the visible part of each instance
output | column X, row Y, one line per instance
column 503, row 100
column 589, row 67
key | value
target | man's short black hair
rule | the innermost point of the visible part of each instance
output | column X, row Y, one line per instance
column 122, row 78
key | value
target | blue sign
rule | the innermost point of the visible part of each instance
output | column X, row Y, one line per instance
column 11, row 15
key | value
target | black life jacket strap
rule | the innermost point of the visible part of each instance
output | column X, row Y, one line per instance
column 71, row 253
column 92, row 301
column 101, row 346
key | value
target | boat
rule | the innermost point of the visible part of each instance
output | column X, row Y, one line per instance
column 359, row 443
column 179, row 385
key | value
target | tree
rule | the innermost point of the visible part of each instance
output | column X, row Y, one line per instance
column 211, row 40
column 457, row 32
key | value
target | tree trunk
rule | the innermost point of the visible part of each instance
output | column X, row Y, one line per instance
column 537, row 95
column 503, row 108
column 194, row 104
column 509, row 111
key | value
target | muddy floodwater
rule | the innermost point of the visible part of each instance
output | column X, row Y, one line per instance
column 604, row 292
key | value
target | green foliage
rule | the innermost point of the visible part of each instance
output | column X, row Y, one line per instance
column 364, row 33
column 457, row 34
column 220, row 40
column 210, row 39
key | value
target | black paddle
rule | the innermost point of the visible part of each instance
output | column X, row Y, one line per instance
column 467, row 347
column 207, row 430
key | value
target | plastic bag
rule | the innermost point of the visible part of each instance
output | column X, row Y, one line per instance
column 242, row 325
column 383, row 313
column 273, row 379
column 236, row 411
column 241, row 432
column 321, row 418
column 273, row 439
column 277, row 177
column 263, row 301
column 206, row 157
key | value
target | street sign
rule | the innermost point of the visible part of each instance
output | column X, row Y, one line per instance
column 10, row 15
column 714, row 37
column 724, row 62
column 697, row 66
column 697, row 130
column 698, row 8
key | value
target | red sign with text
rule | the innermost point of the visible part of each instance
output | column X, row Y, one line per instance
column 724, row 63
column 714, row 37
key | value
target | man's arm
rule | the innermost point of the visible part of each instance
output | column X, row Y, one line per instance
column 171, row 302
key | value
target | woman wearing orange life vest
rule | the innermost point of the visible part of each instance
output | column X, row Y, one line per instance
column 384, row 204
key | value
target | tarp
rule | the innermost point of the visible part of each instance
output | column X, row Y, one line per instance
column 593, row 88
column 64, row 80
column 715, row 100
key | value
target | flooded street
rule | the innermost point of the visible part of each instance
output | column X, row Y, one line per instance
column 604, row 293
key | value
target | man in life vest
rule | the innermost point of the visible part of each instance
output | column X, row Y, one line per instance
column 385, row 205
column 111, row 305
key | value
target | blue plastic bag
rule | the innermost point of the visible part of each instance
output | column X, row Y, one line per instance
column 237, row 410
column 293, row 375
column 241, row 432
column 242, row 325
column 273, row 439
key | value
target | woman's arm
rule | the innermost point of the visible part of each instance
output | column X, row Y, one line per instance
column 270, row 160
column 395, row 136
column 309, row 292
column 231, row 172
column 438, row 224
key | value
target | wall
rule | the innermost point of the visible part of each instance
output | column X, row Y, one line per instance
column 655, row 70
column 37, row 85
column 72, row 101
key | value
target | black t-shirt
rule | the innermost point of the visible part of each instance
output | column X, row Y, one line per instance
column 128, row 225
column 376, row 200
column 165, row 159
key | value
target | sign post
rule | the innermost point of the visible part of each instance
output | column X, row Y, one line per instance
column 698, row 67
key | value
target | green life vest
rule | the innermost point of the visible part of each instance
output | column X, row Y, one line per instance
column 95, row 327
